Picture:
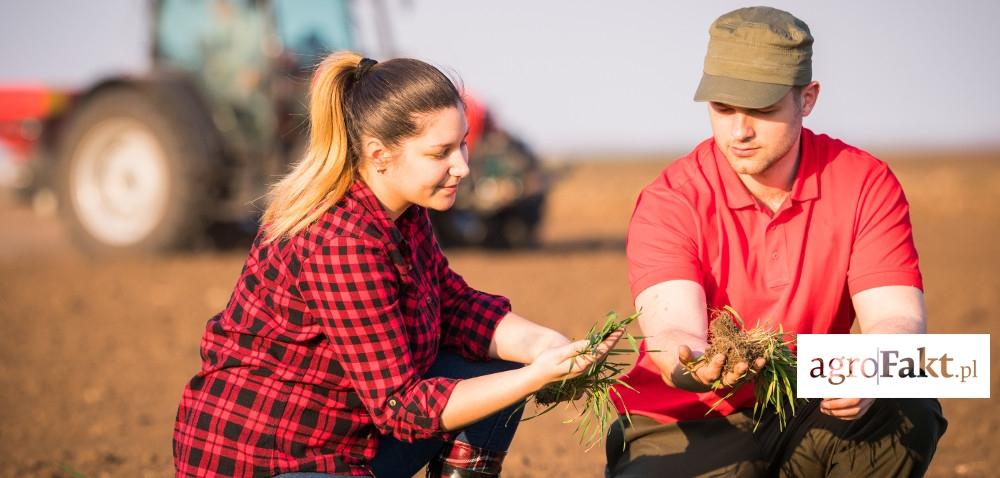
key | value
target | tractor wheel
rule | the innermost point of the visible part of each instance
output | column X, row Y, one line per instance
column 134, row 173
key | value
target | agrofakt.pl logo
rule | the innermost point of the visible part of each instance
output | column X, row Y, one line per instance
column 893, row 365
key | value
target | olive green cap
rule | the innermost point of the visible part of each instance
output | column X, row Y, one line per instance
column 755, row 55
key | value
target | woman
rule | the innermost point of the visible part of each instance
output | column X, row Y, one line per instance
column 349, row 347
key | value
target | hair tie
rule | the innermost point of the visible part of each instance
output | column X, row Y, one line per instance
column 363, row 66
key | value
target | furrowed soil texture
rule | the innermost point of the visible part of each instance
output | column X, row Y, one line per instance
column 94, row 353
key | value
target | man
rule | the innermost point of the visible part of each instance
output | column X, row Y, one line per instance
column 788, row 227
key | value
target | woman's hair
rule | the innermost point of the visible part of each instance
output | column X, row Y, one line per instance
column 349, row 99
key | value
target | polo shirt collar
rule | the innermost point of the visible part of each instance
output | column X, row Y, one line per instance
column 737, row 195
column 804, row 187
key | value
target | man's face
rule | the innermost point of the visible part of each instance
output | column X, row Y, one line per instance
column 754, row 140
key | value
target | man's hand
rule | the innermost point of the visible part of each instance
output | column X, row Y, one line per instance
column 675, row 323
column 707, row 373
column 845, row 408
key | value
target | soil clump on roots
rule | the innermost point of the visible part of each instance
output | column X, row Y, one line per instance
column 728, row 339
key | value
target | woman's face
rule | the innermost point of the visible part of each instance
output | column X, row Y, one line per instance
column 425, row 170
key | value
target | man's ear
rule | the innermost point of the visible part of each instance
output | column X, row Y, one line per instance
column 809, row 96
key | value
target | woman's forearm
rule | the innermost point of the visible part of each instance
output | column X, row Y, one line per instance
column 476, row 398
column 517, row 339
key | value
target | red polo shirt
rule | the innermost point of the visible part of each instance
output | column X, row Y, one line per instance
column 845, row 228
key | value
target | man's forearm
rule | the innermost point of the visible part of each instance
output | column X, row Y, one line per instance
column 663, row 349
column 475, row 398
column 680, row 379
column 663, row 354
column 673, row 314
column 896, row 325
column 891, row 310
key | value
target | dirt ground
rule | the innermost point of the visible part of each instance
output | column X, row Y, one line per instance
column 94, row 353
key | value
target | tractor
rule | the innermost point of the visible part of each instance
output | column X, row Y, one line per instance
column 157, row 161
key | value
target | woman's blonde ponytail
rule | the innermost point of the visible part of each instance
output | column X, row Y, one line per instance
column 326, row 171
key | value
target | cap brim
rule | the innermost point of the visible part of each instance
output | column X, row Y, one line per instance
column 742, row 93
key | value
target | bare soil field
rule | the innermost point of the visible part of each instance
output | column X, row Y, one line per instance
column 94, row 353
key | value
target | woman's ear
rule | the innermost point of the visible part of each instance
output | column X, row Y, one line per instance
column 376, row 152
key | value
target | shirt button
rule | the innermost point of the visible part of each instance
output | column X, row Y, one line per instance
column 429, row 299
column 392, row 402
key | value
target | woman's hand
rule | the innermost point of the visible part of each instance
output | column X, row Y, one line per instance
column 477, row 397
column 546, row 341
column 566, row 361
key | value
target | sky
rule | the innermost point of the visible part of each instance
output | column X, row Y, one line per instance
column 597, row 77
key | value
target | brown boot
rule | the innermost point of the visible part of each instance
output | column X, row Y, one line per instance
column 462, row 460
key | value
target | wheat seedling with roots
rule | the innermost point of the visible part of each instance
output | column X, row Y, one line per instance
column 774, row 384
column 595, row 386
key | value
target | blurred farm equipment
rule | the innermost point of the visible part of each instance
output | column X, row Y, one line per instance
column 155, row 161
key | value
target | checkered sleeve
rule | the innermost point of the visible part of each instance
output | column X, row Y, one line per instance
column 351, row 286
column 469, row 317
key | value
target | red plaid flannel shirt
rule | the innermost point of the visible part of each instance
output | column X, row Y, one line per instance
column 323, row 345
